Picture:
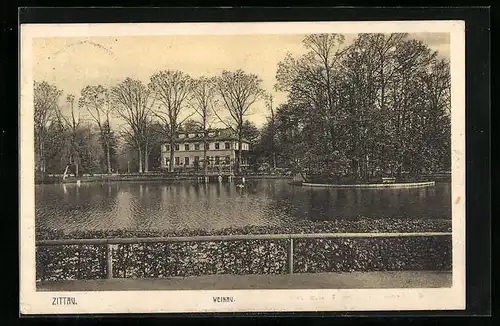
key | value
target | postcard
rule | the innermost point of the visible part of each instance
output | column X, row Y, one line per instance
column 242, row 167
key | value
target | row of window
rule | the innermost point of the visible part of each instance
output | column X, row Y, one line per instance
column 217, row 160
column 196, row 147
column 188, row 135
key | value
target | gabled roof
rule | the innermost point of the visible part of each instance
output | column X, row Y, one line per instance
column 226, row 134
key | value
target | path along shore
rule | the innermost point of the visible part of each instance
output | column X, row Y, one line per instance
column 353, row 280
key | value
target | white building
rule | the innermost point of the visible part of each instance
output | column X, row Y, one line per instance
column 222, row 150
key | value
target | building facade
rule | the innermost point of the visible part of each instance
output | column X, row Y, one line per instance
column 222, row 150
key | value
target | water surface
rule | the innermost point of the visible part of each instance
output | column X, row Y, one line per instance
column 162, row 206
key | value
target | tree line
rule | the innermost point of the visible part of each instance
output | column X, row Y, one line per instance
column 151, row 115
column 380, row 105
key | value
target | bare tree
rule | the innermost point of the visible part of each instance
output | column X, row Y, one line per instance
column 375, row 107
column 72, row 123
column 45, row 101
column 132, row 101
column 172, row 89
column 272, row 123
column 204, row 99
column 238, row 91
column 96, row 101
column 313, row 82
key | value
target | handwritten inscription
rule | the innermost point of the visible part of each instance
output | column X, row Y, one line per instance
column 63, row 301
column 223, row 299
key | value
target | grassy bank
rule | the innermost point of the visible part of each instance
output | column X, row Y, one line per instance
column 251, row 256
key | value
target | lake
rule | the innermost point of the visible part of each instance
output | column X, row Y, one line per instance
column 187, row 204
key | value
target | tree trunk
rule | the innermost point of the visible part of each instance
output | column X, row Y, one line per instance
column 238, row 160
column 146, row 158
column 205, row 165
column 42, row 159
column 172, row 145
column 273, row 148
column 39, row 156
column 108, row 158
column 140, row 159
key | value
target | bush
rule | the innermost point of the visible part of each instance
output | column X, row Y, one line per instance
column 154, row 260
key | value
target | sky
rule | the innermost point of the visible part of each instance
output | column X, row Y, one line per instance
column 71, row 63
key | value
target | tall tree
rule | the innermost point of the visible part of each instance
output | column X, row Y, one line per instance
column 377, row 106
column 45, row 104
column 271, row 126
column 204, row 99
column 95, row 99
column 72, row 124
column 312, row 82
column 133, row 102
column 91, row 149
column 172, row 89
column 239, row 91
column 56, row 147
column 153, row 139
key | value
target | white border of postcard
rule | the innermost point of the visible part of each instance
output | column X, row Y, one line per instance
column 33, row 302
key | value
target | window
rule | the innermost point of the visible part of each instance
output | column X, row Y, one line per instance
column 177, row 147
column 186, row 161
column 197, row 147
column 217, row 160
column 167, row 148
column 228, row 159
column 227, row 146
column 216, row 145
column 208, row 160
column 196, row 159
column 177, row 161
column 186, row 147
column 207, row 145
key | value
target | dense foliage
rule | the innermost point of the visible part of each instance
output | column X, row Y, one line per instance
column 379, row 106
column 251, row 256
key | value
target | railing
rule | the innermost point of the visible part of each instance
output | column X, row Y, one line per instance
column 109, row 242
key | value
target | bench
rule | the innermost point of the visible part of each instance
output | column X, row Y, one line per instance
column 388, row 180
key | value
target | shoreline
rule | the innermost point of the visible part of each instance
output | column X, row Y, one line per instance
column 380, row 225
column 373, row 185
column 423, row 180
column 151, row 177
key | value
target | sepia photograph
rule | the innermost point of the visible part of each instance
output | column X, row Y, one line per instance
column 242, row 167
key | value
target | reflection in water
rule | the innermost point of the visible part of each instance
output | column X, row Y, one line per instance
column 219, row 205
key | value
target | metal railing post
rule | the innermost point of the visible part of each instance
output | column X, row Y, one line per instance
column 109, row 260
column 109, row 243
column 290, row 256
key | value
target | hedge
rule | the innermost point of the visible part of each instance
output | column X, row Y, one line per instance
column 155, row 260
